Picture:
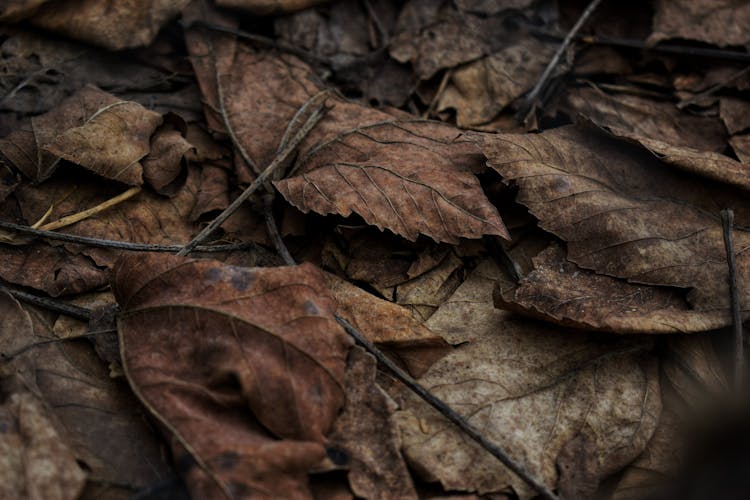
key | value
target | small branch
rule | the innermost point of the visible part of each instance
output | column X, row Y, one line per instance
column 727, row 221
column 448, row 412
column 273, row 231
column 280, row 159
column 72, row 219
column 47, row 303
column 530, row 101
column 119, row 245
column 34, row 345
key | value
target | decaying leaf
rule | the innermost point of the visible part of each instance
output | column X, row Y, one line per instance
column 268, row 7
column 166, row 158
column 540, row 392
column 244, row 367
column 368, row 437
column 410, row 176
column 741, row 146
column 622, row 212
column 91, row 128
column 122, row 25
column 712, row 21
column 423, row 294
column 559, row 291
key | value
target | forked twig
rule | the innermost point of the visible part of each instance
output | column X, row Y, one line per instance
column 727, row 222
column 316, row 115
column 530, row 101
column 47, row 303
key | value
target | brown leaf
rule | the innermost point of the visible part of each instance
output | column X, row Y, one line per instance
column 561, row 292
column 568, row 387
column 423, row 294
column 213, row 193
column 711, row 21
column 367, row 435
column 622, row 212
column 735, row 113
column 647, row 118
column 274, row 352
column 92, row 128
column 98, row 417
column 412, row 177
column 126, row 24
column 19, row 9
column 166, row 159
column 741, row 146
column 479, row 90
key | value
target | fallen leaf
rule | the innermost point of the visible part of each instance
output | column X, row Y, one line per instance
column 127, row 24
column 269, row 7
column 712, row 21
column 647, row 118
column 98, row 417
column 741, row 146
column 735, row 113
column 574, row 391
column 167, row 158
column 560, row 292
column 19, row 9
column 479, row 90
column 624, row 213
column 423, row 294
column 368, row 437
column 91, row 128
column 252, row 402
column 410, row 176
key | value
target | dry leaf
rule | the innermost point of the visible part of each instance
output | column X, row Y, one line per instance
column 368, row 437
column 122, row 25
column 559, row 291
column 735, row 113
column 19, row 9
column 412, row 177
column 741, row 146
column 423, row 294
column 540, row 392
column 167, row 158
column 712, row 21
column 624, row 213
column 269, row 7
column 211, row 348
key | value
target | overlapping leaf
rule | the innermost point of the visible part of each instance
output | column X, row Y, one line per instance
column 623, row 212
column 243, row 366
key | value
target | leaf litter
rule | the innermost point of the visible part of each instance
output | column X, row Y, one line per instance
column 497, row 262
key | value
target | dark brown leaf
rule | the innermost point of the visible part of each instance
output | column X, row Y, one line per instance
column 712, row 21
column 224, row 355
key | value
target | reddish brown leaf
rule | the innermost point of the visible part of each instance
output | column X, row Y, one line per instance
column 561, row 292
column 624, row 213
column 712, row 21
column 410, row 176
column 166, row 159
column 268, row 7
column 207, row 347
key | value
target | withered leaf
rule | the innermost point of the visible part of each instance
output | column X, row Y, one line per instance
column 91, row 128
column 559, row 291
column 166, row 159
column 366, row 433
column 623, row 212
column 741, row 146
column 735, row 113
column 224, row 355
column 19, row 9
column 570, row 388
column 711, row 21
column 268, row 7
column 410, row 176
column 98, row 417
column 122, row 25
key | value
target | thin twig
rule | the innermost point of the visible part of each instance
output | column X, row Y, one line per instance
column 119, row 245
column 280, row 159
column 448, row 412
column 273, row 231
column 530, row 101
column 47, row 303
column 727, row 221
column 72, row 219
column 59, row 340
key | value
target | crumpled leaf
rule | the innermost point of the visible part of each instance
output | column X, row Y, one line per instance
column 741, row 146
column 622, row 212
column 367, row 435
column 243, row 366
column 122, row 25
column 735, row 113
column 423, row 294
column 166, row 159
column 647, row 118
column 97, row 416
column 479, row 90
column 712, row 21
column 560, row 292
column 540, row 392
column 91, row 128
column 410, row 176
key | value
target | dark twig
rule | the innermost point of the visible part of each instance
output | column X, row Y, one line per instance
column 47, row 303
column 119, row 245
column 447, row 411
column 727, row 221
column 530, row 101
column 273, row 231
column 316, row 115
column 59, row 340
